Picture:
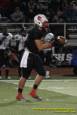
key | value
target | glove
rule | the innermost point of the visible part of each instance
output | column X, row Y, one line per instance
column 49, row 37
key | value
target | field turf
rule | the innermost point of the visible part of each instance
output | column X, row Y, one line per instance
column 59, row 98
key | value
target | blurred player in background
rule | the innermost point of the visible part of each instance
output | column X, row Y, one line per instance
column 38, row 38
column 22, row 39
column 5, row 38
column 13, row 51
column 16, row 48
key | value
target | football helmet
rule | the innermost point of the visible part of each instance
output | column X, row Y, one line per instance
column 41, row 21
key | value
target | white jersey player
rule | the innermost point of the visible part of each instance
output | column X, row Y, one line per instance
column 4, row 42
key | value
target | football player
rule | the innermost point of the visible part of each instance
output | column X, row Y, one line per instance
column 5, row 38
column 37, row 40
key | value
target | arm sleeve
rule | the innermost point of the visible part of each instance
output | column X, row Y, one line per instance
column 36, row 35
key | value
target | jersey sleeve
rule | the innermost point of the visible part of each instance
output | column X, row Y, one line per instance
column 36, row 35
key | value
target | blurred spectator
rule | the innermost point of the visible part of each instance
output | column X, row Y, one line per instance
column 70, row 12
column 5, row 7
column 17, row 15
column 54, row 5
column 15, row 3
column 32, row 9
column 58, row 18
column 25, row 9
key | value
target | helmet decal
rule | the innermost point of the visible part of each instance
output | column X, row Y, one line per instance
column 39, row 18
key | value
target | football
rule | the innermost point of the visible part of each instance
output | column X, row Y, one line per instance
column 61, row 40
